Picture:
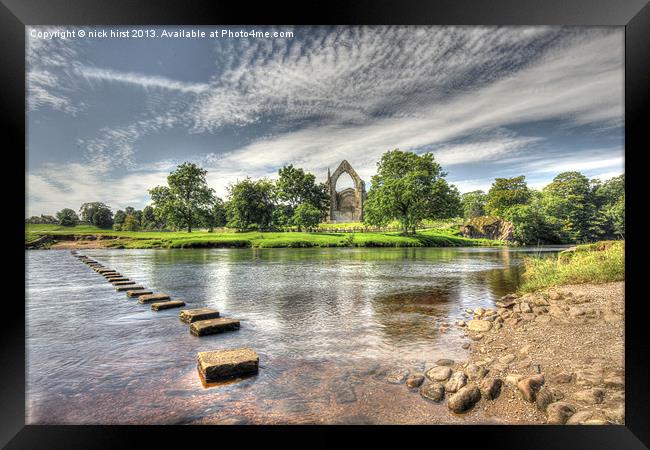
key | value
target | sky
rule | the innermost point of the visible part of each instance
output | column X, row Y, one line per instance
column 109, row 118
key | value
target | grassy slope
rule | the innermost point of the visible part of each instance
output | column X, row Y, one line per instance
column 142, row 239
column 601, row 262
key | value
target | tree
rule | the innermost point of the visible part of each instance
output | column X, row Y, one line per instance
column 409, row 188
column 149, row 220
column 570, row 201
column 307, row 216
column 610, row 199
column 505, row 193
column 96, row 213
column 531, row 225
column 67, row 217
column 295, row 187
column 250, row 204
column 186, row 200
column 131, row 223
column 118, row 219
column 216, row 216
column 473, row 204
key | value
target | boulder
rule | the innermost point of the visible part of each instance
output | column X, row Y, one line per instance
column 415, row 380
column 456, row 381
column 464, row 399
column 558, row 413
column 590, row 396
column 440, row 373
column 528, row 387
column 479, row 325
column 445, row 362
column 432, row 391
column 396, row 376
column 491, row 388
column 580, row 418
column 229, row 363
column 476, row 372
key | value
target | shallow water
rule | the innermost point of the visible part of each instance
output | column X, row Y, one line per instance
column 327, row 324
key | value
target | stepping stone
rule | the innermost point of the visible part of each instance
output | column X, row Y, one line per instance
column 122, row 283
column 166, row 305
column 104, row 270
column 128, row 287
column 116, row 279
column 229, row 363
column 194, row 315
column 137, row 293
column 111, row 274
column 213, row 326
column 151, row 298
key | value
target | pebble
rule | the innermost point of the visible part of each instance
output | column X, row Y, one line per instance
column 491, row 388
column 590, row 396
column 415, row 380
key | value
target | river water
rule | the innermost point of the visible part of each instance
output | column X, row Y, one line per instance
column 329, row 325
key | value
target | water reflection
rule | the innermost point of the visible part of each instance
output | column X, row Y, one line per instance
column 327, row 323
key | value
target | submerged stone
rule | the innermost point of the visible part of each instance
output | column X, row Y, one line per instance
column 151, row 298
column 213, row 326
column 229, row 363
column 166, row 305
column 194, row 315
column 138, row 293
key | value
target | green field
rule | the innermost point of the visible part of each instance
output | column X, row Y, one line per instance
column 228, row 238
column 600, row 262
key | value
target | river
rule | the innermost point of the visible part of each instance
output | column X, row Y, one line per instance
column 327, row 324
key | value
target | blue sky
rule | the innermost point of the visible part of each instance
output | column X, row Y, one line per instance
column 110, row 118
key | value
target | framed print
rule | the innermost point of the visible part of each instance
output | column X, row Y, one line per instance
column 363, row 215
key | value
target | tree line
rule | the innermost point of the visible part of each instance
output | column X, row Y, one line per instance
column 570, row 209
column 407, row 188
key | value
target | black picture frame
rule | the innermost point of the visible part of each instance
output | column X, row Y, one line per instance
column 634, row 15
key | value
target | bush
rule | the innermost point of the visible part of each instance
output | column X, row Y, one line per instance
column 601, row 262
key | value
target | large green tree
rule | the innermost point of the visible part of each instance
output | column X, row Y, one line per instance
column 250, row 204
column 307, row 216
column 569, row 202
column 294, row 187
column 186, row 200
column 473, row 204
column 97, row 213
column 67, row 217
column 506, row 193
column 409, row 188
column 610, row 199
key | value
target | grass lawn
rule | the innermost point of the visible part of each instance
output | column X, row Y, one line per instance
column 197, row 239
column 600, row 262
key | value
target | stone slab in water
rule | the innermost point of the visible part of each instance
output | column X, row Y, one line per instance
column 137, row 293
column 151, row 298
column 193, row 315
column 122, row 283
column 223, row 364
column 116, row 279
column 111, row 274
column 104, row 270
column 166, row 305
column 128, row 287
column 213, row 326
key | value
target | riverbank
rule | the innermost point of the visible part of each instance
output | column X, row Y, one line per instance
column 85, row 237
column 551, row 356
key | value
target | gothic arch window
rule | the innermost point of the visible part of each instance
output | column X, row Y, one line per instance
column 346, row 205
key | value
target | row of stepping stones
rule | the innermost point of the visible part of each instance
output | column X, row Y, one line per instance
column 214, row 365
